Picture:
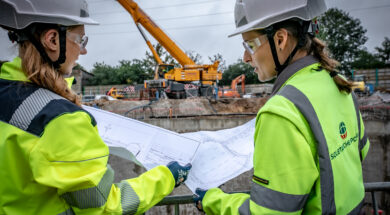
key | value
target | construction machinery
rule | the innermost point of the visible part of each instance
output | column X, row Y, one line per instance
column 360, row 86
column 115, row 93
column 233, row 91
column 168, row 78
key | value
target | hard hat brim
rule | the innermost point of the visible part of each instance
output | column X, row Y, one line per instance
column 261, row 24
column 19, row 18
column 62, row 20
column 248, row 27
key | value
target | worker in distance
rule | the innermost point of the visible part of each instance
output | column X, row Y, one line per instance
column 309, row 136
column 52, row 159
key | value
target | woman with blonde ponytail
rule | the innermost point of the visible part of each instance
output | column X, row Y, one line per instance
column 44, row 74
column 52, row 159
column 309, row 136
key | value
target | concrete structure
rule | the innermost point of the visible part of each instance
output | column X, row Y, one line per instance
column 81, row 77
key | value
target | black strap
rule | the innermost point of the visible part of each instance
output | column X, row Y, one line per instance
column 62, row 37
column 302, row 31
column 333, row 73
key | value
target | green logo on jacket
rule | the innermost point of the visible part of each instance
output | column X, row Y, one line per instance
column 343, row 135
column 343, row 130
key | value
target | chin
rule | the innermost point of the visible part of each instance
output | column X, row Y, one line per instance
column 265, row 79
column 66, row 71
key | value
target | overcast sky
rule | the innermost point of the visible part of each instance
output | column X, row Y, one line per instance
column 201, row 26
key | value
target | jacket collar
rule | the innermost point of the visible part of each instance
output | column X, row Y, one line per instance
column 13, row 71
column 291, row 70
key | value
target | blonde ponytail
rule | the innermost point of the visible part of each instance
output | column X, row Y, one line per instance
column 44, row 75
column 317, row 48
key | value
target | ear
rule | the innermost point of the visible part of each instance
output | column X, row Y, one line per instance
column 50, row 40
column 280, row 39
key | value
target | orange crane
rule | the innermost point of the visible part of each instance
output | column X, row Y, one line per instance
column 166, row 75
column 233, row 92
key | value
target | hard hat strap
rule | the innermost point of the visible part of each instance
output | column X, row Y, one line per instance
column 278, row 67
column 270, row 31
column 62, row 37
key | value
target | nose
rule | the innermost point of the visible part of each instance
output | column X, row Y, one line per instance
column 247, row 57
column 83, row 51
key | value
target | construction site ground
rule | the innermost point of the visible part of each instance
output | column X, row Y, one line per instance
column 188, row 115
column 179, row 108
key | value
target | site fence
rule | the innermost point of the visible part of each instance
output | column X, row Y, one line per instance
column 138, row 91
column 369, row 188
column 379, row 78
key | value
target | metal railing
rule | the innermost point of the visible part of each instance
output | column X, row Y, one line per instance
column 187, row 199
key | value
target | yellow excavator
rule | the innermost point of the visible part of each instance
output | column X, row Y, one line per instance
column 167, row 77
column 115, row 93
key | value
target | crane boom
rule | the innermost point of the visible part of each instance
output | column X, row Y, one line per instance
column 168, row 78
column 142, row 18
column 158, row 59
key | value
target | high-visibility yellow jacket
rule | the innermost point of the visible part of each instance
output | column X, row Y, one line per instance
column 309, row 145
column 53, row 161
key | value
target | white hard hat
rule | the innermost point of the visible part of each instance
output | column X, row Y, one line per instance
column 258, row 14
column 18, row 14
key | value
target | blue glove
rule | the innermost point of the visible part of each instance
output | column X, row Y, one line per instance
column 198, row 197
column 179, row 172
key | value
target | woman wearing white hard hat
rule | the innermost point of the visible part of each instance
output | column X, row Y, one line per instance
column 309, row 137
column 52, row 159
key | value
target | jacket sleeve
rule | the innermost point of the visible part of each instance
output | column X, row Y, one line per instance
column 71, row 157
column 282, row 156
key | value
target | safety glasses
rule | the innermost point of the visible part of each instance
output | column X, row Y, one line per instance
column 252, row 45
column 77, row 38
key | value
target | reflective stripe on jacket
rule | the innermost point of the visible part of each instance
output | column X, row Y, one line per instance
column 53, row 161
column 309, row 143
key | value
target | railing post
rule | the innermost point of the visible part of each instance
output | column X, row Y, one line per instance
column 177, row 209
column 376, row 77
column 375, row 205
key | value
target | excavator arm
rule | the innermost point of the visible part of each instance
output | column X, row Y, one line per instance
column 236, row 81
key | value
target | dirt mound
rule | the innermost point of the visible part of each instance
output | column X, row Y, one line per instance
column 181, row 107
column 251, row 105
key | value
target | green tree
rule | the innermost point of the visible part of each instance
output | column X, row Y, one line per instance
column 103, row 74
column 366, row 60
column 237, row 69
column 384, row 51
column 128, row 72
column 133, row 72
column 344, row 35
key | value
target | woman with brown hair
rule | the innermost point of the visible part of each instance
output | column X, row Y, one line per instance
column 309, row 136
column 52, row 159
